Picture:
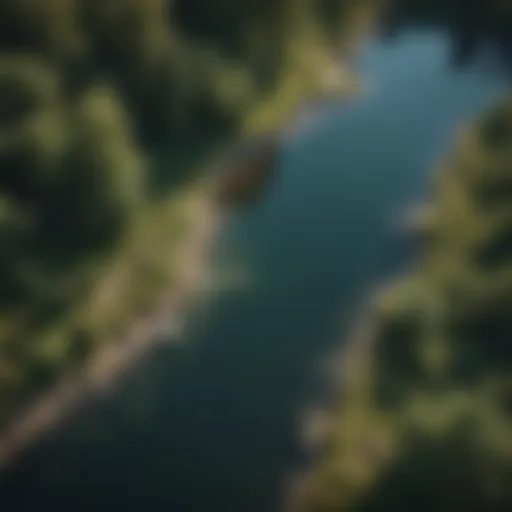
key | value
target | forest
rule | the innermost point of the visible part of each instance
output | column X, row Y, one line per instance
column 112, row 113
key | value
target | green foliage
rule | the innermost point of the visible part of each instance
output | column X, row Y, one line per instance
column 92, row 93
column 440, row 362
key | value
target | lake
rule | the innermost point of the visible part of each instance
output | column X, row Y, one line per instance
column 212, row 424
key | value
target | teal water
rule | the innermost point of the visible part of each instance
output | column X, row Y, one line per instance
column 212, row 425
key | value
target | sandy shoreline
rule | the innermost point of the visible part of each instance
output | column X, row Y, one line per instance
column 118, row 355
column 244, row 168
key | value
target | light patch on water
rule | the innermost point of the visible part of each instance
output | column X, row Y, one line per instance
column 225, row 277
column 228, row 277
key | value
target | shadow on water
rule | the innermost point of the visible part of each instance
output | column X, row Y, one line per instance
column 211, row 425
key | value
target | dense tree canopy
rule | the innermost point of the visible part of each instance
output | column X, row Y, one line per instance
column 92, row 93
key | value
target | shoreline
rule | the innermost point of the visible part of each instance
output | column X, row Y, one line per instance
column 120, row 354
column 240, row 171
column 318, row 422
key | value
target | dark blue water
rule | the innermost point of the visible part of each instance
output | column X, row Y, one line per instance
column 211, row 426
